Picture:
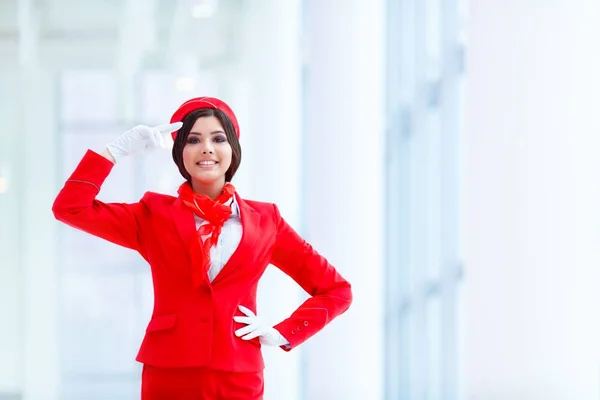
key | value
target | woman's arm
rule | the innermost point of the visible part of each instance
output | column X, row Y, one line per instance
column 331, row 293
column 76, row 204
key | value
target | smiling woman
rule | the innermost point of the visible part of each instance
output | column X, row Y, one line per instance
column 207, row 249
column 207, row 150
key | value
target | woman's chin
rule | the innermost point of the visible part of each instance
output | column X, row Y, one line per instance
column 208, row 178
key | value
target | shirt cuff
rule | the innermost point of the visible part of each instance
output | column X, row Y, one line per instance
column 281, row 340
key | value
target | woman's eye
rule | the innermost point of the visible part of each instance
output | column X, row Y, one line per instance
column 193, row 140
column 220, row 139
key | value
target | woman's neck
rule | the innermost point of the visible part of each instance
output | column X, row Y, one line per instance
column 212, row 190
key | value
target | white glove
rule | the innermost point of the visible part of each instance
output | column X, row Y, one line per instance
column 142, row 138
column 257, row 328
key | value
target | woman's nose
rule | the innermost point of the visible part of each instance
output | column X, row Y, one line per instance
column 207, row 148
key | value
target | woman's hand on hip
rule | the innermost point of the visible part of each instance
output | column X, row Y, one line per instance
column 255, row 327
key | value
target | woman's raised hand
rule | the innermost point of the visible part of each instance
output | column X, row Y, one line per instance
column 141, row 139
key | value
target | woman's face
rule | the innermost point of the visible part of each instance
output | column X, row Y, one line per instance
column 207, row 153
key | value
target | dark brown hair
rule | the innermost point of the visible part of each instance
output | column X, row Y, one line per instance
column 183, row 133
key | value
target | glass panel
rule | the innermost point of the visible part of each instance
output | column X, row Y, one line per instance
column 433, row 197
column 160, row 96
column 418, row 209
column 81, row 250
column 433, row 39
column 98, row 323
column 146, row 298
column 414, row 355
column 84, row 252
column 463, row 10
column 405, row 339
column 158, row 173
column 434, row 349
column 418, row 164
column 102, row 388
column 433, row 30
column 406, row 65
column 87, row 96
column 121, row 183
column 101, row 324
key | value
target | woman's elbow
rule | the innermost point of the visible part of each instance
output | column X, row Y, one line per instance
column 348, row 296
column 59, row 209
column 63, row 211
column 343, row 295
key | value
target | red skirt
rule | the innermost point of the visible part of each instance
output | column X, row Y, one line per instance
column 200, row 384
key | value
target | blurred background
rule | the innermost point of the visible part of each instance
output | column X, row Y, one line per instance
column 442, row 154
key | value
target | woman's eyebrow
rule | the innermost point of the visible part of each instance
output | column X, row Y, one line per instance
column 200, row 134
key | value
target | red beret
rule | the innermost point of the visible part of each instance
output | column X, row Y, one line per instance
column 204, row 102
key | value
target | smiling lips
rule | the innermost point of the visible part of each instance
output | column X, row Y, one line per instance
column 206, row 164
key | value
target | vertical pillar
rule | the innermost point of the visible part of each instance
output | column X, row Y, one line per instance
column 10, row 299
column 268, row 104
column 343, row 167
column 35, row 172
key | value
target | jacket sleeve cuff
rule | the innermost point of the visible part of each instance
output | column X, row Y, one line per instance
column 292, row 334
column 93, row 169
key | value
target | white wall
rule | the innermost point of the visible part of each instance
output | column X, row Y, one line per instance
column 532, row 201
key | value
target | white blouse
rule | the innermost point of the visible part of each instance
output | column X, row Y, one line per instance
column 229, row 240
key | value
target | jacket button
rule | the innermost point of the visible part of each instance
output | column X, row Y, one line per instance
column 305, row 323
column 293, row 332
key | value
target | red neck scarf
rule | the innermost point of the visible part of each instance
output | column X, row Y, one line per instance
column 213, row 212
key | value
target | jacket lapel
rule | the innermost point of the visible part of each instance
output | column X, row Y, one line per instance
column 250, row 231
column 184, row 222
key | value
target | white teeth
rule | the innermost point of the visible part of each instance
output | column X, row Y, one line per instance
column 206, row 162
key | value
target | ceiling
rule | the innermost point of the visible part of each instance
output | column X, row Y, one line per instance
column 120, row 33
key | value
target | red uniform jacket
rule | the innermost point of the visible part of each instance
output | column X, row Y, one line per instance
column 193, row 326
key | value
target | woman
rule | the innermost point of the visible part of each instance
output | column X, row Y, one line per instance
column 207, row 249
